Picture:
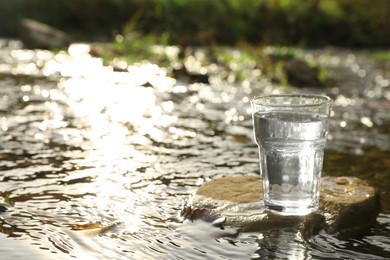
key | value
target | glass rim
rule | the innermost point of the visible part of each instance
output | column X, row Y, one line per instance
column 323, row 100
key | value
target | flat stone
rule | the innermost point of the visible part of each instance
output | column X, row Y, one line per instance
column 347, row 204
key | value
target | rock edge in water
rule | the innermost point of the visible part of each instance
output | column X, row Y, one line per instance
column 347, row 204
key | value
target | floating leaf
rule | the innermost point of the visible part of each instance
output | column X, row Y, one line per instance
column 88, row 226
column 93, row 228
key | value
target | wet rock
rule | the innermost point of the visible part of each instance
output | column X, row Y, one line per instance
column 346, row 204
column 3, row 207
column 36, row 35
column 349, row 204
column 300, row 74
column 191, row 77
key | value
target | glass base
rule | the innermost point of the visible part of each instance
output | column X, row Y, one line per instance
column 290, row 210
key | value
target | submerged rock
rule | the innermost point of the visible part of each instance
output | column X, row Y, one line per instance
column 36, row 35
column 346, row 204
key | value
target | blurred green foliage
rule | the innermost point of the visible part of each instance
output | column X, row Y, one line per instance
column 353, row 23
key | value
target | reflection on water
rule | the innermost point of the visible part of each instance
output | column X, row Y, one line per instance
column 83, row 144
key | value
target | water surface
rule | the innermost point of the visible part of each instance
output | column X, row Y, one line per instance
column 82, row 144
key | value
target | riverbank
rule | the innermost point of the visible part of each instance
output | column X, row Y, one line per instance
column 362, row 23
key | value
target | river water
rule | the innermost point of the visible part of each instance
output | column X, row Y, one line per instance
column 82, row 144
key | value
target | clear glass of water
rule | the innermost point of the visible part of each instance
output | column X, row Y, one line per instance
column 290, row 131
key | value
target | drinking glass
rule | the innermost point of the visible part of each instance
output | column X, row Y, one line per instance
column 290, row 131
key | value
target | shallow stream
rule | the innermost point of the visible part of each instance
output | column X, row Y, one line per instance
column 122, row 151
